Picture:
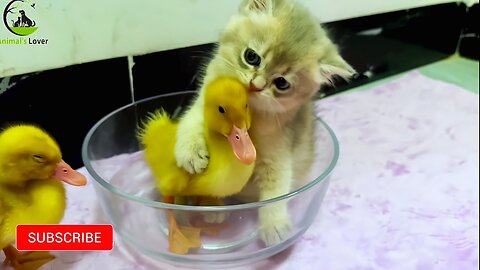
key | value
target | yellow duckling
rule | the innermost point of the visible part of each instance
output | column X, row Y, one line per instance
column 232, row 154
column 30, row 166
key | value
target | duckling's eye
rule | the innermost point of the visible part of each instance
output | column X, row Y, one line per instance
column 281, row 83
column 38, row 158
column 252, row 58
column 221, row 109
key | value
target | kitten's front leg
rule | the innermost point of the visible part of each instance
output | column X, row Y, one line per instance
column 274, row 179
column 191, row 150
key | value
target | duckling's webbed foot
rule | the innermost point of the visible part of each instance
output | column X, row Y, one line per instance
column 181, row 239
column 26, row 261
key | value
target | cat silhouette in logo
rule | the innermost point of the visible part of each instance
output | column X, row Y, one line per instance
column 25, row 20
column 17, row 23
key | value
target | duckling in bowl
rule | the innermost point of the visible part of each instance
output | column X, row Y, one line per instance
column 232, row 153
column 127, row 187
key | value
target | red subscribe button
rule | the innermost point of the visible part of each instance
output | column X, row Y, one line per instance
column 64, row 237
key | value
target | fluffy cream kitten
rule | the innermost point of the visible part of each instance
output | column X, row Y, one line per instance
column 279, row 50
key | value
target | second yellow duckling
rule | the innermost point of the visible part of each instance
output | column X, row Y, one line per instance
column 232, row 153
column 31, row 166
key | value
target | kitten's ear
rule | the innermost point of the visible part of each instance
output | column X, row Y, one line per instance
column 335, row 65
column 262, row 6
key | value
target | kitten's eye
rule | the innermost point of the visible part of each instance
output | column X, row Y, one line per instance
column 281, row 83
column 38, row 158
column 221, row 109
column 252, row 57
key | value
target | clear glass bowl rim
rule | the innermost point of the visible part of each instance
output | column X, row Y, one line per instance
column 161, row 205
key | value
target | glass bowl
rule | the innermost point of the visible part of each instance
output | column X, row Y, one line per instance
column 114, row 158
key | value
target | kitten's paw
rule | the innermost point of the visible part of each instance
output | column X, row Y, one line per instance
column 275, row 232
column 192, row 154
column 211, row 217
column 274, row 226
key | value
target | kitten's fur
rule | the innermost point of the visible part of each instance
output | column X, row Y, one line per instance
column 292, row 45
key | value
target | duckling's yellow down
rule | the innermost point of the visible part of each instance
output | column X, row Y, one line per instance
column 23, row 201
column 158, row 137
column 38, row 202
column 31, row 168
column 225, row 174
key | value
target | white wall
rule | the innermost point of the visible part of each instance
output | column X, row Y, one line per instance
column 89, row 30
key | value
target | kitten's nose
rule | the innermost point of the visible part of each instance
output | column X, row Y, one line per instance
column 257, row 84
column 254, row 88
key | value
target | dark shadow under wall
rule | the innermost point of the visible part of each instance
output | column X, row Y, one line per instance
column 169, row 71
column 469, row 41
column 386, row 44
column 68, row 101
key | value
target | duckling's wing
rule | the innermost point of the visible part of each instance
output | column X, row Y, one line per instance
column 6, row 236
column 3, row 208
column 6, row 200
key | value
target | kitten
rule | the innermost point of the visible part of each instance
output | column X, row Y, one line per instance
column 279, row 50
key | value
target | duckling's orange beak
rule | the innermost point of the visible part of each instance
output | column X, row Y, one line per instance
column 242, row 145
column 68, row 175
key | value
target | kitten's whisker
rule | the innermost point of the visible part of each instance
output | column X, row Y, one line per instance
column 278, row 103
column 229, row 65
column 226, row 60
column 275, row 114
column 234, row 70
column 200, row 57
column 243, row 75
column 277, row 119
column 203, row 54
